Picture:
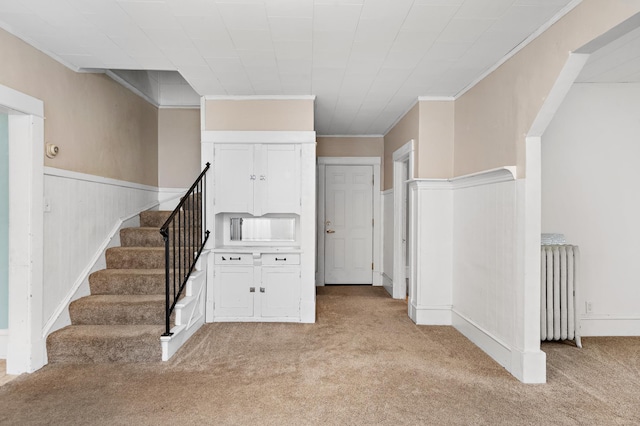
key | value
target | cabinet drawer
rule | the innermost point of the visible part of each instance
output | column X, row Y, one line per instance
column 280, row 259
column 234, row 259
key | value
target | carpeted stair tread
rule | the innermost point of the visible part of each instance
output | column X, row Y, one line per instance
column 79, row 344
column 135, row 257
column 118, row 309
column 154, row 218
column 151, row 237
column 141, row 237
column 127, row 281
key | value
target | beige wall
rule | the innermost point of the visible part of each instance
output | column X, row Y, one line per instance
column 350, row 146
column 493, row 118
column 259, row 114
column 436, row 136
column 361, row 146
column 101, row 128
column 178, row 147
column 405, row 130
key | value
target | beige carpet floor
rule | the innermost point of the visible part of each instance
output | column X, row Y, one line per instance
column 363, row 362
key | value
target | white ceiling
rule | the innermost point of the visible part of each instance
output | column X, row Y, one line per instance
column 617, row 62
column 365, row 60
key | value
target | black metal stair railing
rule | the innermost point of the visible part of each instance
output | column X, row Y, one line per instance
column 185, row 234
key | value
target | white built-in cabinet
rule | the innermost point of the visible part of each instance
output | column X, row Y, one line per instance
column 254, row 286
column 268, row 175
column 257, row 178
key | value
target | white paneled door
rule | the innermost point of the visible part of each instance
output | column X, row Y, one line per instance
column 348, row 225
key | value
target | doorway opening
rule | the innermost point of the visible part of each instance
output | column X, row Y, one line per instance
column 24, row 343
column 403, row 166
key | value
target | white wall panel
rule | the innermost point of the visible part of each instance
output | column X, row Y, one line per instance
column 80, row 212
column 590, row 181
column 484, row 258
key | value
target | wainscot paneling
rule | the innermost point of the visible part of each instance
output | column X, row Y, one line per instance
column 81, row 212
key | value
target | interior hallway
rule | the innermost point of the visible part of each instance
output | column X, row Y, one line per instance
column 363, row 362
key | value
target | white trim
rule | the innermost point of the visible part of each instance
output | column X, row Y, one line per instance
column 169, row 106
column 111, row 240
column 375, row 162
column 19, row 102
column 387, row 283
column 430, row 315
column 486, row 177
column 350, row 161
column 26, row 350
column 203, row 114
column 259, row 97
column 402, row 154
column 568, row 75
column 350, row 136
column 234, row 136
column 4, row 339
column 436, row 98
column 610, row 325
column 490, row 344
column 568, row 8
column 51, row 171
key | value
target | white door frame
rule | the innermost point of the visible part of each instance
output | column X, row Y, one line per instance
column 402, row 154
column 323, row 162
column 26, row 350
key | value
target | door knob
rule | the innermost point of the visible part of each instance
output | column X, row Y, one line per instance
column 330, row 231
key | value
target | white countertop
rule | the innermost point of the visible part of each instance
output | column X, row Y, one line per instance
column 256, row 249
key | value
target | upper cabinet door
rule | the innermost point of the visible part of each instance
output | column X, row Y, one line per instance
column 234, row 178
column 277, row 187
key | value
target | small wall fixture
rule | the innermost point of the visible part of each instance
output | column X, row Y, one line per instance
column 51, row 150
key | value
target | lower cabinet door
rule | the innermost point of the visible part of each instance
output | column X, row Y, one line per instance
column 234, row 292
column 280, row 292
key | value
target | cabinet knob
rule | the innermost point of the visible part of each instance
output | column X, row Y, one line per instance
column 263, row 177
column 252, row 177
column 252, row 289
column 261, row 289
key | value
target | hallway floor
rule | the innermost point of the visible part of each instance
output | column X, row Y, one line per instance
column 364, row 362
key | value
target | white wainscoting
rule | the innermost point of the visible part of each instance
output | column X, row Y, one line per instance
column 387, row 240
column 82, row 212
column 464, row 263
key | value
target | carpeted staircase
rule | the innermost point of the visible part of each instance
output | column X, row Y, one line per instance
column 123, row 318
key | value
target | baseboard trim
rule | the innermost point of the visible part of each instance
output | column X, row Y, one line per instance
column 528, row 367
column 610, row 325
column 430, row 315
column 387, row 283
column 493, row 346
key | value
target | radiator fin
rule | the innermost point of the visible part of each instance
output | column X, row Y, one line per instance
column 558, row 278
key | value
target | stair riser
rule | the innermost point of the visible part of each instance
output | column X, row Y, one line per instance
column 134, row 259
column 137, row 237
column 116, row 314
column 65, row 348
column 127, row 284
column 157, row 219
